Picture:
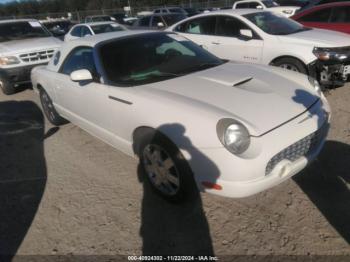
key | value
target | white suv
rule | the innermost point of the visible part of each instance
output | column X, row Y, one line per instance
column 24, row 44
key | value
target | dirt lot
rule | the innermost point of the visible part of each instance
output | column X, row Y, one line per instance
column 64, row 192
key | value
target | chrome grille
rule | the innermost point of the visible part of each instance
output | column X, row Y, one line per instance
column 303, row 147
column 37, row 56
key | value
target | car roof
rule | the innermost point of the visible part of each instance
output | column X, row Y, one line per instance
column 99, row 23
column 17, row 20
column 243, row 11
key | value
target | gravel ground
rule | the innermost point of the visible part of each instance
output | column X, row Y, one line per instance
column 64, row 192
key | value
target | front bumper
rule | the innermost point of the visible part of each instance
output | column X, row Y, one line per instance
column 239, row 177
column 333, row 72
column 18, row 75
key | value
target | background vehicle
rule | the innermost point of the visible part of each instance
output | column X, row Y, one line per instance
column 82, row 30
column 99, row 18
column 189, row 116
column 119, row 17
column 334, row 16
column 170, row 10
column 300, row 3
column 266, row 5
column 266, row 38
column 191, row 11
column 157, row 21
column 59, row 27
column 24, row 44
column 312, row 3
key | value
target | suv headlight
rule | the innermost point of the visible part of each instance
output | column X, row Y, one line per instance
column 233, row 135
column 334, row 53
column 9, row 60
column 315, row 85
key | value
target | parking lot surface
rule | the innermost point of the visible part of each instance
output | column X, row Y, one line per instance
column 62, row 191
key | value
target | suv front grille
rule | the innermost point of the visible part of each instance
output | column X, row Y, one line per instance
column 303, row 147
column 37, row 56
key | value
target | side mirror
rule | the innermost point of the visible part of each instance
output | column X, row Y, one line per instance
column 81, row 75
column 246, row 33
column 160, row 25
column 259, row 7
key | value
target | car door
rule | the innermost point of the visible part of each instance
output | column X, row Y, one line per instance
column 229, row 44
column 340, row 19
column 85, row 103
column 200, row 30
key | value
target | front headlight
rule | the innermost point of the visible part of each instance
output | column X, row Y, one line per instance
column 334, row 53
column 316, row 85
column 9, row 60
column 288, row 12
column 233, row 135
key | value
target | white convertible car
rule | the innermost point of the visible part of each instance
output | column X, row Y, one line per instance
column 237, row 129
column 262, row 37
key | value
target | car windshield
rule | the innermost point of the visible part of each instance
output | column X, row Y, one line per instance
column 275, row 24
column 176, row 10
column 22, row 30
column 172, row 19
column 269, row 3
column 106, row 28
column 101, row 18
column 154, row 57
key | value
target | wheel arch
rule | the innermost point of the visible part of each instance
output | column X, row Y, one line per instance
column 290, row 57
column 143, row 131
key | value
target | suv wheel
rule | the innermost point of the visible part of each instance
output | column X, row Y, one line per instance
column 7, row 87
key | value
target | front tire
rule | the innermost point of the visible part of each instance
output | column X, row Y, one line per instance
column 7, row 87
column 291, row 64
column 49, row 109
column 165, row 169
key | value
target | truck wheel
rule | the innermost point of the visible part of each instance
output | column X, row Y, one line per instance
column 166, row 169
column 7, row 87
column 291, row 64
column 49, row 109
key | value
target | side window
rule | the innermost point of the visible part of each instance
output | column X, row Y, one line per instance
column 318, row 16
column 229, row 26
column 203, row 26
column 76, row 31
column 85, row 31
column 79, row 58
column 242, row 5
column 56, row 58
column 156, row 20
column 157, row 11
column 144, row 21
column 254, row 5
column 340, row 14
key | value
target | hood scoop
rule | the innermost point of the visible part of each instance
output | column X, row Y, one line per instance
column 227, row 83
column 243, row 81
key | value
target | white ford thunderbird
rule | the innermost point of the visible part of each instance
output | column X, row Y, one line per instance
column 193, row 119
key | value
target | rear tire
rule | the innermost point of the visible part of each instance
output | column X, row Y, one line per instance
column 7, row 87
column 165, row 169
column 49, row 109
column 291, row 64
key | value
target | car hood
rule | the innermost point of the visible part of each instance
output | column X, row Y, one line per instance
column 262, row 97
column 318, row 37
column 21, row 46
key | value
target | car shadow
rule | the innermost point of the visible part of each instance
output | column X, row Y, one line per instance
column 175, row 229
column 327, row 184
column 22, row 172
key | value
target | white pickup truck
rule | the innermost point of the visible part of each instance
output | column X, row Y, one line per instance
column 24, row 44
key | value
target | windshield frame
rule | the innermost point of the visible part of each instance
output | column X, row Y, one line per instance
column 101, row 67
column 301, row 28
